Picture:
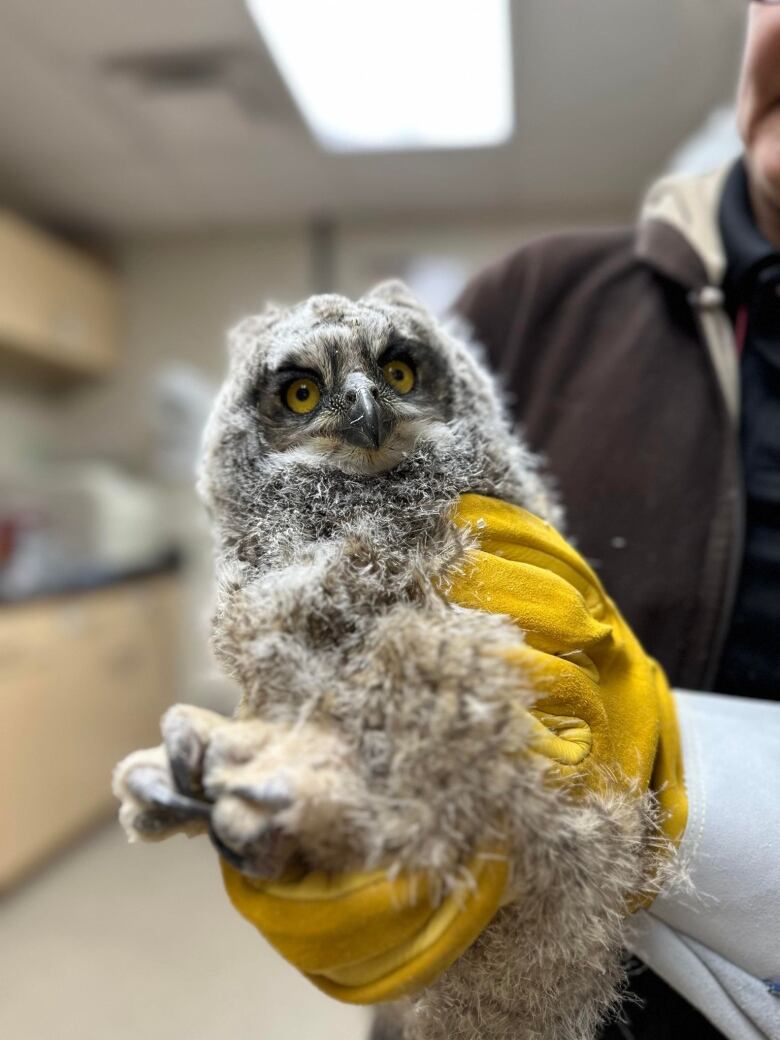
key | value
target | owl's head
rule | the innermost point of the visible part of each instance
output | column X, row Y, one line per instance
column 337, row 407
column 352, row 385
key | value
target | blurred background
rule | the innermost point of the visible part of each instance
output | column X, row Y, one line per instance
column 166, row 168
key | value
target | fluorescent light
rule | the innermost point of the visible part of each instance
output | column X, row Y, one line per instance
column 371, row 75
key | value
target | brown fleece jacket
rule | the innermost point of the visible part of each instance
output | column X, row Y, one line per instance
column 600, row 340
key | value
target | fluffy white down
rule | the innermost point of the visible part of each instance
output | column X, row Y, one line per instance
column 329, row 617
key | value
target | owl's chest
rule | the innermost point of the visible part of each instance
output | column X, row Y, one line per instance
column 329, row 587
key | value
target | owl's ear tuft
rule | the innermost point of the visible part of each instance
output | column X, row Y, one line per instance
column 394, row 292
column 249, row 331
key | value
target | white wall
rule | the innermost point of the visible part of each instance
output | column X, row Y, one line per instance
column 369, row 251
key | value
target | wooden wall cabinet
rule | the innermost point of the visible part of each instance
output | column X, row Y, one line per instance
column 84, row 679
column 57, row 305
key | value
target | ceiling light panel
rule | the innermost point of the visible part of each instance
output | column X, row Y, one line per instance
column 376, row 75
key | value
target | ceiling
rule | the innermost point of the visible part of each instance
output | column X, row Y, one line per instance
column 605, row 90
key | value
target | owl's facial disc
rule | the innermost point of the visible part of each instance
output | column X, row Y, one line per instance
column 355, row 403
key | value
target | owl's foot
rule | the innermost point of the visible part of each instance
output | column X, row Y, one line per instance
column 152, row 808
column 260, row 790
column 280, row 793
column 246, row 779
column 160, row 788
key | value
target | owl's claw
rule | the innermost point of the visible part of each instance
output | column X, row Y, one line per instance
column 161, row 820
column 250, row 794
column 152, row 808
column 266, row 794
column 262, row 851
column 208, row 775
column 273, row 795
column 186, row 732
column 151, row 786
column 161, row 788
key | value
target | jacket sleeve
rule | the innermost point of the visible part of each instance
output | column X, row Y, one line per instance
column 716, row 940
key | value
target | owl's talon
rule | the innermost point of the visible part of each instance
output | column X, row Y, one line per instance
column 151, row 806
column 186, row 731
column 185, row 761
column 262, row 853
column 235, row 859
column 160, row 820
column 274, row 794
column 151, row 787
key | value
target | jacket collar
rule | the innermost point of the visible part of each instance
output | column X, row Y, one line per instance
column 679, row 232
column 679, row 235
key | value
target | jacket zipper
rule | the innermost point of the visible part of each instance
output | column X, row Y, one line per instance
column 718, row 336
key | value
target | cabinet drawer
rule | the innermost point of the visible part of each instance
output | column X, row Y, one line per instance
column 70, row 709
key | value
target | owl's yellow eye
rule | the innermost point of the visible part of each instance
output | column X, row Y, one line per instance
column 399, row 375
column 302, row 396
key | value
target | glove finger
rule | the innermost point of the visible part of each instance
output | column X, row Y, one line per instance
column 551, row 612
column 570, row 723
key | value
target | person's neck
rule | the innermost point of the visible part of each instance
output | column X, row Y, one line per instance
column 767, row 214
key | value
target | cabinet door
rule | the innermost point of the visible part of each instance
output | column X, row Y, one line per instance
column 83, row 681
column 56, row 304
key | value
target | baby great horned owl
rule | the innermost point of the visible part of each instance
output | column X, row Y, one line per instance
column 379, row 722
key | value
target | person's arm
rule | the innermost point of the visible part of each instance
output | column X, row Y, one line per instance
column 715, row 940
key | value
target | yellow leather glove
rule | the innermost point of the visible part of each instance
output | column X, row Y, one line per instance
column 363, row 939
column 604, row 712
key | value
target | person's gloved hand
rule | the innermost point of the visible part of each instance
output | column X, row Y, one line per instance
column 604, row 716
column 605, row 711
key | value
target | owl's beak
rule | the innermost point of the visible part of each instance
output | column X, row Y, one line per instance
column 365, row 427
